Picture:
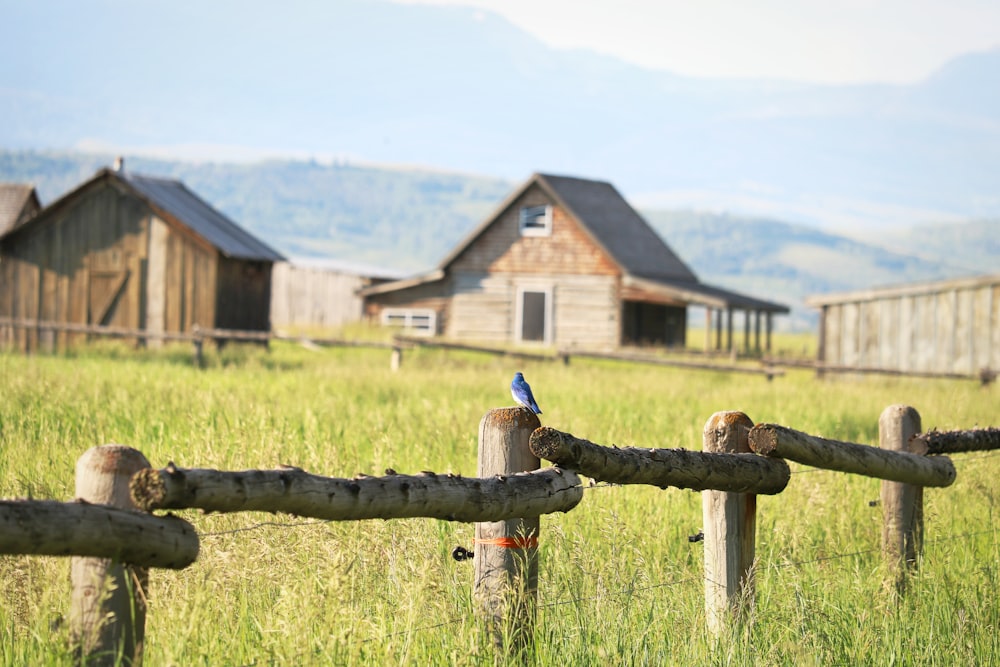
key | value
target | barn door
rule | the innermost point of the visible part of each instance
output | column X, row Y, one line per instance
column 106, row 288
column 534, row 315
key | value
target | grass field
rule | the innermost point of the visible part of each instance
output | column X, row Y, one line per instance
column 619, row 581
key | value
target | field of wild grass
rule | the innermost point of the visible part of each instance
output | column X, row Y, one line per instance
column 619, row 583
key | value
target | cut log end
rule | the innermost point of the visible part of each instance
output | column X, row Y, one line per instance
column 763, row 439
column 546, row 443
column 148, row 489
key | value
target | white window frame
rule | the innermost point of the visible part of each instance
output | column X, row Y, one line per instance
column 519, row 314
column 535, row 220
column 418, row 321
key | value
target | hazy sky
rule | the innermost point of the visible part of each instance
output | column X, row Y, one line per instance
column 829, row 41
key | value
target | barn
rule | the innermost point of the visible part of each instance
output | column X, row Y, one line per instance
column 949, row 327
column 563, row 261
column 135, row 252
column 18, row 202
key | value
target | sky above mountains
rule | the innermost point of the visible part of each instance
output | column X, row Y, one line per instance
column 814, row 41
column 466, row 89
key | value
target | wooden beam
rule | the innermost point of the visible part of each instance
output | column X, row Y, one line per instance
column 294, row 491
column 953, row 442
column 54, row 528
column 681, row 468
column 779, row 441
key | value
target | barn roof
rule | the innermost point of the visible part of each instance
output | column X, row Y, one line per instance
column 646, row 261
column 189, row 209
column 18, row 202
column 172, row 199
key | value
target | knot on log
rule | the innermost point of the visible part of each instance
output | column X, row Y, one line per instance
column 148, row 489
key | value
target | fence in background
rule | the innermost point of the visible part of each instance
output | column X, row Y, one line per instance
column 769, row 367
column 112, row 544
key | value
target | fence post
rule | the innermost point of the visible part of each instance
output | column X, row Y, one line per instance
column 506, row 552
column 108, row 608
column 396, row 360
column 902, row 504
column 729, row 525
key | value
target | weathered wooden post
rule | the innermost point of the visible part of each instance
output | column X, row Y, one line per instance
column 730, row 521
column 506, row 552
column 396, row 360
column 902, row 504
column 108, row 608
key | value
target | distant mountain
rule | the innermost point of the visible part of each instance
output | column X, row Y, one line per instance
column 463, row 89
column 409, row 219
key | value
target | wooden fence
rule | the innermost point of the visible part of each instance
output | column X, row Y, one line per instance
column 768, row 367
column 113, row 538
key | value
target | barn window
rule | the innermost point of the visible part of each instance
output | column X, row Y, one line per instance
column 535, row 220
column 419, row 321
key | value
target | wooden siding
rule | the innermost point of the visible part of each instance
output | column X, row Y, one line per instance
column 502, row 249
column 84, row 266
column 309, row 296
column 585, row 310
column 954, row 330
column 243, row 299
column 434, row 296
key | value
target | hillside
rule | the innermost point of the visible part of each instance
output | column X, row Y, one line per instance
column 466, row 90
column 408, row 219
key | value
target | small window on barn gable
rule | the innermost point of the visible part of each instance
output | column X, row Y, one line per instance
column 535, row 220
column 419, row 321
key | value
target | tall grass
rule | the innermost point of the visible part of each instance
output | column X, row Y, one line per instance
column 619, row 581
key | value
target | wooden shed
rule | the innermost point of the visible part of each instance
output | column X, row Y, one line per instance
column 950, row 327
column 563, row 261
column 318, row 293
column 136, row 252
column 18, row 203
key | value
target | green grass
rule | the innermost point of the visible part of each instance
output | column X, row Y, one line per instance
column 619, row 581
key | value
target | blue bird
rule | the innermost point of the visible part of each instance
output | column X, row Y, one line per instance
column 521, row 392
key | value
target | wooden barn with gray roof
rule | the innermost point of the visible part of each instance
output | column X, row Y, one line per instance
column 134, row 252
column 567, row 262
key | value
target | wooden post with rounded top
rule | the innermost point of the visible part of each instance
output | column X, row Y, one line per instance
column 730, row 521
column 902, row 504
column 108, row 608
column 506, row 552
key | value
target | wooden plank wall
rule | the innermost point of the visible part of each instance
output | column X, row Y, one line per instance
column 314, row 297
column 87, row 258
column 585, row 309
column 955, row 330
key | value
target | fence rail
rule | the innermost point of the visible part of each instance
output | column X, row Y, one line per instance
column 293, row 491
column 505, row 500
column 53, row 528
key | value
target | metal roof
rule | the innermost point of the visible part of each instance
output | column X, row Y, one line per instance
column 190, row 210
column 618, row 228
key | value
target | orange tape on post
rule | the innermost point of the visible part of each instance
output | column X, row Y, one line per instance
column 529, row 542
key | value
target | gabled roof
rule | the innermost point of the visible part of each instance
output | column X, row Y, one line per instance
column 18, row 202
column 190, row 210
column 172, row 200
column 610, row 221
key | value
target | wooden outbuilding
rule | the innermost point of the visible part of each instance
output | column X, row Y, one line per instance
column 949, row 327
column 567, row 262
column 18, row 203
column 313, row 293
column 135, row 252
